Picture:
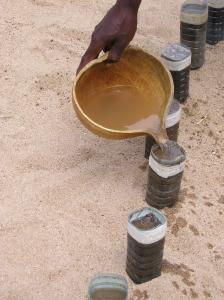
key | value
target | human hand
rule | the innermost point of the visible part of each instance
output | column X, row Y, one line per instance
column 114, row 32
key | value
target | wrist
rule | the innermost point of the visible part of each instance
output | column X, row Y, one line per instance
column 129, row 3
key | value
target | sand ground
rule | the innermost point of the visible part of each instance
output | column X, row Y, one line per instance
column 65, row 194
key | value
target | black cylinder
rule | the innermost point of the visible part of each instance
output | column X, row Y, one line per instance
column 166, row 166
column 193, row 27
column 177, row 58
column 215, row 30
column 146, row 239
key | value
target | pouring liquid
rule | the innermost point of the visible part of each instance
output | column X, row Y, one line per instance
column 123, row 107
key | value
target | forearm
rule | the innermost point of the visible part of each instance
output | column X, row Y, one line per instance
column 131, row 3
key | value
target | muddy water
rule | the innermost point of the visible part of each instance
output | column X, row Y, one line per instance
column 169, row 151
column 123, row 107
column 109, row 294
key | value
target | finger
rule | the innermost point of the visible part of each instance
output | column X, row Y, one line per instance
column 93, row 51
column 117, row 50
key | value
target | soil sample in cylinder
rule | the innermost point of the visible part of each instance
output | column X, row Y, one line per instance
column 193, row 28
column 172, row 127
column 146, row 238
column 166, row 167
column 177, row 59
column 108, row 287
column 215, row 30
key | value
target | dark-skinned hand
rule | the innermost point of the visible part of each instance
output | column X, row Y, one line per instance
column 114, row 32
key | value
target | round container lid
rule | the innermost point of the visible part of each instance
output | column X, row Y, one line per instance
column 176, row 52
column 216, row 3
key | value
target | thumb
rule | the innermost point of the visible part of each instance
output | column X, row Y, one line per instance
column 116, row 51
column 91, row 53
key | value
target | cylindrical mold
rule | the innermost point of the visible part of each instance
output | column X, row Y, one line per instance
column 146, row 238
column 166, row 167
column 108, row 286
column 215, row 30
column 172, row 127
column 193, row 27
column 177, row 59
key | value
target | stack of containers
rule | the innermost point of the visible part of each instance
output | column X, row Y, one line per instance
column 177, row 59
column 146, row 238
column 215, row 31
column 172, row 127
column 193, row 28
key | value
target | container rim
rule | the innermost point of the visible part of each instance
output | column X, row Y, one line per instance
column 165, row 162
column 150, row 236
column 144, row 211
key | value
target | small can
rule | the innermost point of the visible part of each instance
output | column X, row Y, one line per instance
column 146, row 238
column 166, row 167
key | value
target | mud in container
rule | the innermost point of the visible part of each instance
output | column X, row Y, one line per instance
column 145, row 244
column 108, row 287
column 193, row 28
column 177, row 59
column 172, row 127
column 215, row 29
column 166, row 167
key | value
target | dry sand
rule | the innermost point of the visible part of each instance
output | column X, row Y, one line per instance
column 66, row 194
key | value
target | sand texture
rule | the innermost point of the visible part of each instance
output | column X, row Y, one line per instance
column 66, row 194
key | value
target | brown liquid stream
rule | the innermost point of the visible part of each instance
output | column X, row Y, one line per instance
column 124, row 108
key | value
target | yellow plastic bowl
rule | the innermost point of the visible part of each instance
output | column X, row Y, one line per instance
column 135, row 68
